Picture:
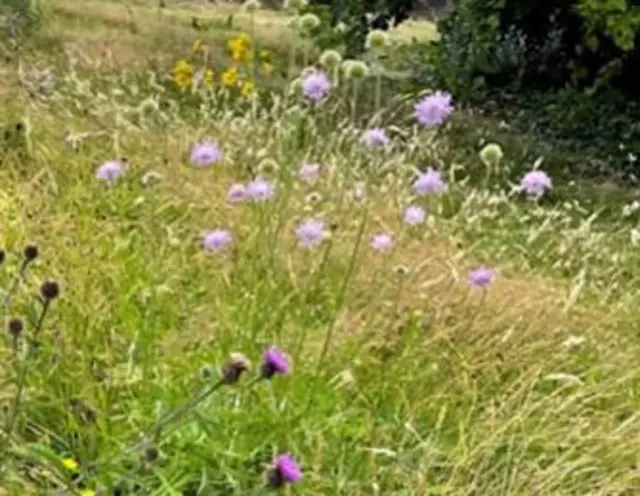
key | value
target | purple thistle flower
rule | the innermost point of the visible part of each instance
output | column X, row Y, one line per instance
column 260, row 190
column 375, row 138
column 237, row 193
column 274, row 362
column 535, row 183
column 382, row 242
column 285, row 470
column 309, row 172
column 311, row 232
column 433, row 110
column 414, row 215
column 316, row 86
column 206, row 153
column 217, row 239
column 429, row 183
column 480, row 278
column 109, row 171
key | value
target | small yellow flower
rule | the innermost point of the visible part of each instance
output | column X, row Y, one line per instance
column 199, row 47
column 207, row 77
column 182, row 73
column 247, row 88
column 70, row 464
column 230, row 77
column 267, row 68
column 182, row 80
column 86, row 492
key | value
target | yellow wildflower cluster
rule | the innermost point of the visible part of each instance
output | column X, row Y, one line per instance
column 238, row 73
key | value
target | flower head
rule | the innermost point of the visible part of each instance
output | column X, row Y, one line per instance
column 433, row 110
column 285, row 470
column 535, row 183
column 414, row 215
column 330, row 59
column 251, row 5
column 234, row 368
column 429, row 183
column 206, row 153
column 480, row 278
column 309, row 21
column 260, row 190
column 274, row 362
column 217, row 239
column 230, row 76
column 375, row 138
column 315, row 85
column 295, row 4
column 309, row 172
column 237, row 193
column 491, row 154
column 109, row 171
column 382, row 242
column 355, row 69
column 376, row 39
column 311, row 232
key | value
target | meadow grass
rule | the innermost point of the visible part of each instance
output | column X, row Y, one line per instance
column 404, row 379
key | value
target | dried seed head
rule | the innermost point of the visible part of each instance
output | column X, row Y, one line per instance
column 234, row 368
column 30, row 253
column 49, row 290
column 15, row 327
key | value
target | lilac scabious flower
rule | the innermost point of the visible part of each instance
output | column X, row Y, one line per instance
column 414, row 215
column 285, row 470
column 433, row 110
column 429, row 183
column 260, row 190
column 375, row 138
column 309, row 173
column 206, row 153
column 316, row 85
column 109, row 171
column 311, row 233
column 274, row 362
column 480, row 278
column 237, row 193
column 217, row 239
column 382, row 242
column 535, row 183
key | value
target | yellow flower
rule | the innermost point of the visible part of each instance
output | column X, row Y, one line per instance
column 199, row 47
column 86, row 492
column 267, row 68
column 240, row 47
column 247, row 88
column 207, row 77
column 230, row 77
column 182, row 73
column 70, row 464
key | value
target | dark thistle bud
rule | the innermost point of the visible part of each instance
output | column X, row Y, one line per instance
column 49, row 290
column 15, row 327
column 150, row 454
column 3, row 256
column 234, row 368
column 30, row 253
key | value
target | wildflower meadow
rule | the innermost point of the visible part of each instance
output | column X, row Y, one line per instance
column 233, row 264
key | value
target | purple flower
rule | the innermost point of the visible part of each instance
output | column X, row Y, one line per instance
column 382, row 242
column 535, row 183
column 274, row 362
column 414, row 215
column 316, row 85
column 109, row 171
column 309, row 172
column 429, row 183
column 480, row 278
column 205, row 153
column 433, row 110
column 260, row 190
column 217, row 239
column 311, row 233
column 375, row 138
column 285, row 470
column 237, row 193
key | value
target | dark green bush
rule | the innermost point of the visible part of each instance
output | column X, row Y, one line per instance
column 541, row 44
column 16, row 16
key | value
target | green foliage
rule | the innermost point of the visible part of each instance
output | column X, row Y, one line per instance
column 17, row 16
column 586, row 43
